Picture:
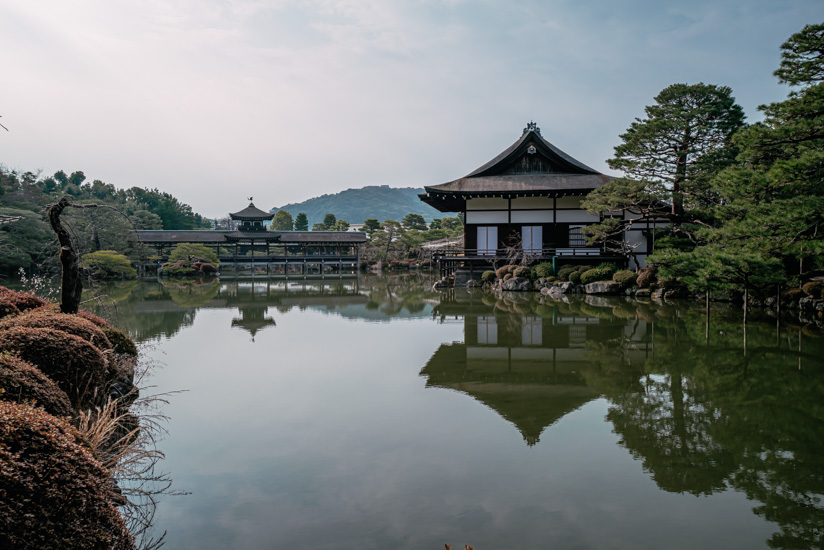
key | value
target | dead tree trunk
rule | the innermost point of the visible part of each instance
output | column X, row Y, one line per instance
column 71, row 284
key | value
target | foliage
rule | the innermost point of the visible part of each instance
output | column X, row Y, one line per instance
column 504, row 270
column 647, row 276
column 815, row 289
column 488, row 277
column 522, row 271
column 53, row 493
column 190, row 259
column 329, row 221
column 108, row 264
column 543, row 269
column 23, row 301
column 21, row 382
column 340, row 225
column 52, row 319
column 625, row 277
column 668, row 159
column 371, row 225
column 574, row 277
column 593, row 275
column 77, row 366
column 121, row 343
column 414, row 221
column 282, row 221
column 301, row 222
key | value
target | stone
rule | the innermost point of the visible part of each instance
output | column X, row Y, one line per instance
column 567, row 287
column 643, row 293
column 517, row 284
column 603, row 287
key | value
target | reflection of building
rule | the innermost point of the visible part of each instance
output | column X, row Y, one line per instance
column 532, row 368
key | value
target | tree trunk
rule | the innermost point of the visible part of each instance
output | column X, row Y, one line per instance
column 71, row 285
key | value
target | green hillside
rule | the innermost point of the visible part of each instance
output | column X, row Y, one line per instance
column 355, row 205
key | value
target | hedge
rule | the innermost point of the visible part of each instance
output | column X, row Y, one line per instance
column 53, row 493
column 20, row 381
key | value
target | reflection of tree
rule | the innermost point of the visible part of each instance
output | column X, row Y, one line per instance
column 717, row 414
column 192, row 293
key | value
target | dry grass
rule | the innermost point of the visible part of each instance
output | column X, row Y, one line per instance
column 126, row 444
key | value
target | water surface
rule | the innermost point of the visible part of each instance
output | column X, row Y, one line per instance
column 374, row 413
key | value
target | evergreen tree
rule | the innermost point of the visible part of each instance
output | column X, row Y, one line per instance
column 668, row 159
column 282, row 221
column 329, row 221
column 301, row 222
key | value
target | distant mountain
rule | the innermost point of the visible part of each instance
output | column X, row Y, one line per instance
column 355, row 205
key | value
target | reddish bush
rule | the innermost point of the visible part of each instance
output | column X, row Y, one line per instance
column 646, row 277
column 21, row 381
column 502, row 271
column 78, row 367
column 814, row 289
column 53, row 493
column 7, row 307
column 99, row 321
column 73, row 324
column 24, row 301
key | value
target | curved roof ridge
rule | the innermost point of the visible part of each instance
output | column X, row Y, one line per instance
column 531, row 132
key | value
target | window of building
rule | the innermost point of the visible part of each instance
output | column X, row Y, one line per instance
column 576, row 238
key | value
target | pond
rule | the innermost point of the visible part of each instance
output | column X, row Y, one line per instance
column 374, row 413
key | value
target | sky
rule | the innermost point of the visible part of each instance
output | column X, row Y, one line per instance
column 215, row 101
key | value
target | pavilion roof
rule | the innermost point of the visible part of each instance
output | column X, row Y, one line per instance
column 252, row 212
column 531, row 166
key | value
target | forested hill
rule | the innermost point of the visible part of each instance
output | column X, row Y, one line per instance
column 355, row 205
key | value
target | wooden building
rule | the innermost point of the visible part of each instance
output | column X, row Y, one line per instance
column 252, row 250
column 527, row 200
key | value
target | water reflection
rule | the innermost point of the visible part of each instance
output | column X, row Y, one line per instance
column 701, row 409
column 705, row 408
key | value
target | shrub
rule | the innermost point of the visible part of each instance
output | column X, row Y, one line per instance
column 21, row 381
column 507, row 276
column 591, row 275
column 501, row 271
column 607, row 269
column 625, row 277
column 109, row 264
column 583, row 267
column 23, row 301
column 814, row 289
column 53, row 493
column 647, row 276
column 7, row 307
column 78, row 367
column 121, row 343
column 564, row 272
column 99, row 321
column 522, row 271
column 488, row 277
column 543, row 269
column 72, row 324
column 575, row 277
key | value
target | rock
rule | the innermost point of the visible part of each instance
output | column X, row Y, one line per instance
column 657, row 294
column 630, row 291
column 471, row 283
column 517, row 284
column 643, row 293
column 597, row 301
column 603, row 287
column 567, row 287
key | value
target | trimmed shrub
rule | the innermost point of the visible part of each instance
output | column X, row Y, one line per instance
column 647, row 276
column 23, row 301
column 608, row 269
column 121, row 342
column 507, row 276
column 625, row 277
column 591, row 275
column 53, row 493
column 575, row 277
column 814, row 289
column 543, row 269
column 7, row 307
column 78, row 367
column 564, row 272
column 583, row 267
column 501, row 271
column 488, row 277
column 522, row 271
column 21, row 381
column 72, row 324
